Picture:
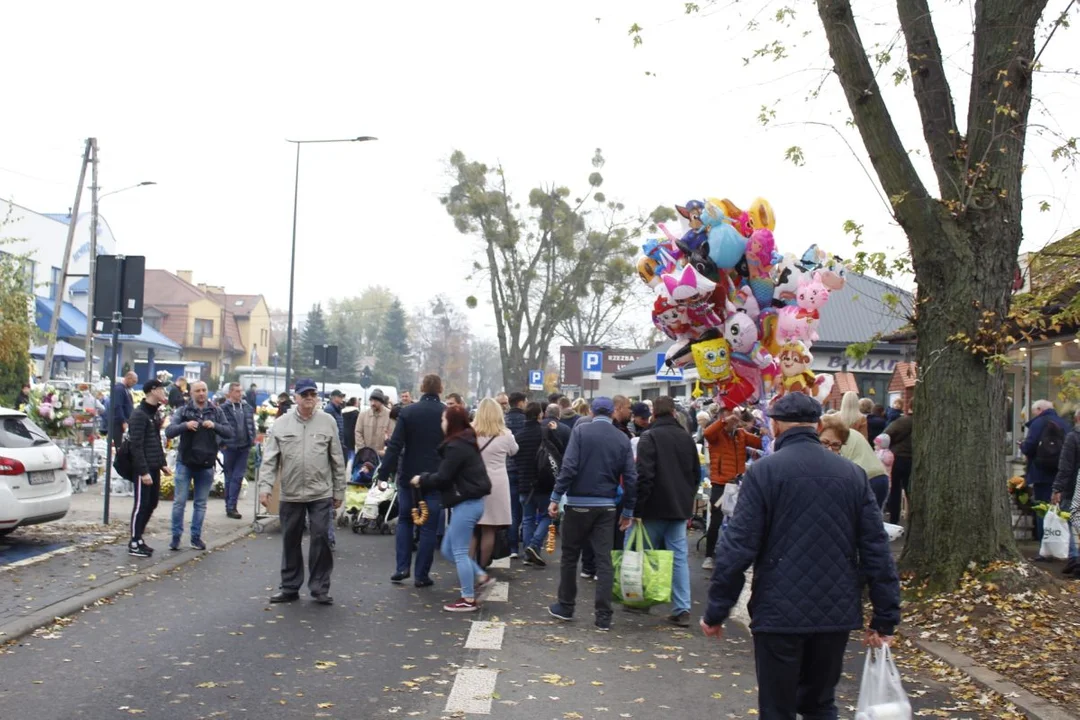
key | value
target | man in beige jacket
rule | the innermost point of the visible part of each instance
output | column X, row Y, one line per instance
column 374, row 427
column 303, row 451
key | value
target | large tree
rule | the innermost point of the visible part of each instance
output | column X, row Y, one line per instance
column 15, row 319
column 393, row 360
column 364, row 316
column 440, row 333
column 546, row 260
column 315, row 332
column 348, row 369
column 486, row 368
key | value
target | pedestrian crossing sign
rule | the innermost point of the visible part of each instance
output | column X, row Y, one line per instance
column 665, row 373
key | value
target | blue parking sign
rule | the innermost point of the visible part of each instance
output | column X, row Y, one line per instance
column 536, row 379
column 592, row 364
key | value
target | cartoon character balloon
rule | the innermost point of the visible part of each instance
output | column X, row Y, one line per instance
column 726, row 244
column 687, row 285
column 810, row 298
column 713, row 362
column 796, row 375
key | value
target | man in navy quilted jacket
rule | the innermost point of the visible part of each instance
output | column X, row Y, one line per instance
column 808, row 522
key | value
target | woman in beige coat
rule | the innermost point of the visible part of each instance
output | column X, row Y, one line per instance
column 496, row 444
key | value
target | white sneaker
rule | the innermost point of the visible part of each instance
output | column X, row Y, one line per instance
column 708, row 564
column 513, row 556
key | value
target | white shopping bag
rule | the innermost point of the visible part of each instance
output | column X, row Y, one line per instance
column 631, row 569
column 881, row 694
column 895, row 532
column 729, row 499
column 1055, row 541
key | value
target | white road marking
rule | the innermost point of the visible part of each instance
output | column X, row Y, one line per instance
column 501, row 563
column 497, row 591
column 472, row 691
column 40, row 558
column 485, row 636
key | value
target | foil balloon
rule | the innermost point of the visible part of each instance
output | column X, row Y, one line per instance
column 762, row 215
column 796, row 376
column 726, row 245
column 810, row 298
column 713, row 362
column 687, row 285
column 648, row 271
column 691, row 213
column 671, row 319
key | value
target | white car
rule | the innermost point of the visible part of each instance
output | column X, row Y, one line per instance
column 34, row 487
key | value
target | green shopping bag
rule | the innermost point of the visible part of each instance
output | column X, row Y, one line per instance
column 642, row 574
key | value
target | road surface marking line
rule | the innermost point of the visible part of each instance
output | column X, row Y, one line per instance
column 40, row 558
column 485, row 636
column 472, row 691
column 498, row 591
column 501, row 563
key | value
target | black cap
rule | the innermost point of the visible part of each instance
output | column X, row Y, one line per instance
column 151, row 385
column 796, row 407
column 336, row 393
column 640, row 410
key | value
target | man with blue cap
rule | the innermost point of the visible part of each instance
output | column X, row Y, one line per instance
column 808, row 522
column 597, row 461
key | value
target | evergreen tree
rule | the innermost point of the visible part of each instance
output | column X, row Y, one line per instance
column 348, row 351
column 314, row 333
column 393, row 363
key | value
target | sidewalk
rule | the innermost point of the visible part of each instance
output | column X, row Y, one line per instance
column 55, row 569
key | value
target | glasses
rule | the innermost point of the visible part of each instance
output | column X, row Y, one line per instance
column 833, row 445
column 309, row 393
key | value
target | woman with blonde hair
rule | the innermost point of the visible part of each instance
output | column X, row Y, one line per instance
column 496, row 444
column 836, row 436
column 852, row 415
column 581, row 407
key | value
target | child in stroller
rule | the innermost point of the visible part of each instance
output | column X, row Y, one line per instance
column 369, row 505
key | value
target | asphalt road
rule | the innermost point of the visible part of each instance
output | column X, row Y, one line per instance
column 203, row 642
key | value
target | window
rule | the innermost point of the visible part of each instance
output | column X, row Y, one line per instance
column 20, row 432
column 264, row 337
column 54, row 283
column 203, row 329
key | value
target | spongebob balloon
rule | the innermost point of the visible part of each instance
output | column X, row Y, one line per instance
column 713, row 362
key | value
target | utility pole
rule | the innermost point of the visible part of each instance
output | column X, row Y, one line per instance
column 93, row 260
column 54, row 322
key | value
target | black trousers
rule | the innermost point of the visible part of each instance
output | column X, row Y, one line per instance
column 588, row 558
column 901, row 482
column 595, row 527
column 798, row 674
column 320, row 559
column 716, row 519
column 146, row 500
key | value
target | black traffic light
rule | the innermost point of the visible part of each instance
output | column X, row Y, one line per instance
column 365, row 377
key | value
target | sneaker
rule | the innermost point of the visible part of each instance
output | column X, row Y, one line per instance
column 532, row 557
column 603, row 624
column 424, row 582
column 462, row 605
column 558, row 611
column 175, row 544
column 233, row 514
column 514, row 555
column 588, row 576
column 400, row 577
column 708, row 564
column 528, row 562
column 197, row 544
column 484, row 584
column 146, row 547
column 137, row 550
column 681, row 619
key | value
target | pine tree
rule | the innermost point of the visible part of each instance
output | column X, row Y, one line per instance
column 314, row 333
column 348, row 351
column 393, row 364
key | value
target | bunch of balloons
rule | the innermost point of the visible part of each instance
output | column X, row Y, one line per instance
column 745, row 315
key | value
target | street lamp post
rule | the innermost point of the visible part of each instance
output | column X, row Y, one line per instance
column 292, row 261
column 275, row 356
column 95, row 199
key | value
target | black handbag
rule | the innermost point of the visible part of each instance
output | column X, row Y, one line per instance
column 123, row 463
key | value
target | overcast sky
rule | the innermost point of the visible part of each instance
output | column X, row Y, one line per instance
column 200, row 97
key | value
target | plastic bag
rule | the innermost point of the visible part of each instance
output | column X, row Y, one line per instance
column 729, row 499
column 1055, row 540
column 881, row 694
column 895, row 532
column 642, row 574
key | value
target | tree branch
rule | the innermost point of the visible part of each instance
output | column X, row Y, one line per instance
column 932, row 95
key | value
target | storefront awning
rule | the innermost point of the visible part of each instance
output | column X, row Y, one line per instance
column 73, row 324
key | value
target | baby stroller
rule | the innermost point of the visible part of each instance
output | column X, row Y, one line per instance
column 380, row 510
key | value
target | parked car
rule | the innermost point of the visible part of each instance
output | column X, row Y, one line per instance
column 34, row 486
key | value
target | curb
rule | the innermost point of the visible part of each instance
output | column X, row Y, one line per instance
column 1034, row 707
column 80, row 601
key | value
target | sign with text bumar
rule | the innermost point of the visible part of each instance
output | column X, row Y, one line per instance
column 833, row 361
column 571, row 361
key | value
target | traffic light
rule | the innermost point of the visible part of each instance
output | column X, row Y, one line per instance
column 365, row 377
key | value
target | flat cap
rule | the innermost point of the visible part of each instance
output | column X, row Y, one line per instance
column 796, row 407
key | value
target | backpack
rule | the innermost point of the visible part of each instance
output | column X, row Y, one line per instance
column 548, row 461
column 201, row 450
column 123, row 463
column 1049, row 449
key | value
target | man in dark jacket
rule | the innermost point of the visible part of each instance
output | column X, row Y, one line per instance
column 201, row 427
column 120, row 407
column 598, row 456
column 534, row 517
column 515, row 420
column 333, row 408
column 414, row 447
column 252, row 396
column 241, row 419
column 552, row 419
column 901, row 442
column 808, row 522
column 876, row 423
column 669, row 471
column 350, row 414
column 147, row 460
column 1042, row 465
column 1065, row 489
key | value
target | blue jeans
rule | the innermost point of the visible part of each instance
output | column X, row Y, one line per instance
column 671, row 535
column 455, row 544
column 404, row 539
column 534, row 521
column 235, row 468
column 204, row 478
column 515, row 517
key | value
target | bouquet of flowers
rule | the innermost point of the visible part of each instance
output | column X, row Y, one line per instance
column 51, row 411
column 264, row 418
